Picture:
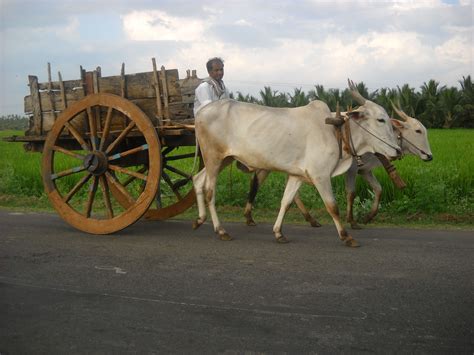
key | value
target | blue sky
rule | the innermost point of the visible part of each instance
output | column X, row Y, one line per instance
column 284, row 44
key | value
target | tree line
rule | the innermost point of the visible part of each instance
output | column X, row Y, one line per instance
column 13, row 122
column 434, row 105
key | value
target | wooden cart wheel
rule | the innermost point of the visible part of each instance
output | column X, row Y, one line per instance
column 175, row 193
column 81, row 175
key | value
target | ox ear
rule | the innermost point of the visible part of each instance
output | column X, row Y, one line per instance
column 397, row 123
column 355, row 115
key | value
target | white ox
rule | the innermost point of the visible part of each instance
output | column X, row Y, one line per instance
column 413, row 139
column 296, row 141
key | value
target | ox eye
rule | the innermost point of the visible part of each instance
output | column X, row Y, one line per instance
column 418, row 131
column 381, row 120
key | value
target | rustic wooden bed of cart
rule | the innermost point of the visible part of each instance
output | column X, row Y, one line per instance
column 115, row 148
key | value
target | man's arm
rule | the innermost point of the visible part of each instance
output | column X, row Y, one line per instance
column 202, row 97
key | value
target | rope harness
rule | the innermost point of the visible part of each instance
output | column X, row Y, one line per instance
column 401, row 139
column 349, row 145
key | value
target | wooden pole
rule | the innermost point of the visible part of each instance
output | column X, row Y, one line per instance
column 50, row 92
column 156, row 84
column 164, row 85
column 63, row 91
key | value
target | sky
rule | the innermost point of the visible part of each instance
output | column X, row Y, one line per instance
column 284, row 44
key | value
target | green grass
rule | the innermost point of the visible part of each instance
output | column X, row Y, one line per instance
column 438, row 192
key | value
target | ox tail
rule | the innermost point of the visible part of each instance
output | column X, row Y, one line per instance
column 193, row 171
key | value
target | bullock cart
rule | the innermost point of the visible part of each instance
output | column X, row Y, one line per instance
column 115, row 148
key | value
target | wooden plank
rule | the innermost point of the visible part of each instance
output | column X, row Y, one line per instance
column 140, row 85
column 89, row 81
column 69, row 85
column 36, row 106
column 57, row 99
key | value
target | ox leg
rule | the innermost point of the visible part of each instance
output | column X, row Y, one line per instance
column 199, row 181
column 377, row 188
column 325, row 191
column 350, row 182
column 292, row 186
column 257, row 180
column 310, row 219
column 211, row 180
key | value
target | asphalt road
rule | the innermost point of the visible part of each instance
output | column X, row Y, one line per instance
column 159, row 287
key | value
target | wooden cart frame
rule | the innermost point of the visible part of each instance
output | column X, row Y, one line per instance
column 113, row 146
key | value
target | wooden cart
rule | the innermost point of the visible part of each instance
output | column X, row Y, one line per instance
column 114, row 148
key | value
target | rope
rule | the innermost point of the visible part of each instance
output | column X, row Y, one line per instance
column 373, row 135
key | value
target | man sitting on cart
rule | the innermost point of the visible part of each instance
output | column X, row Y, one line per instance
column 212, row 88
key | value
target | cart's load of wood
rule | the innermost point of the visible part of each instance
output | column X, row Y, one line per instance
column 165, row 98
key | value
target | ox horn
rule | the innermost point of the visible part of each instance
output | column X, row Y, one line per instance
column 399, row 112
column 355, row 93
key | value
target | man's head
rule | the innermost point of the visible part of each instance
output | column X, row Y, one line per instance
column 215, row 68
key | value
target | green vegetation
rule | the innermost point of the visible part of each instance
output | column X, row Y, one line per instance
column 13, row 122
column 438, row 192
column 434, row 105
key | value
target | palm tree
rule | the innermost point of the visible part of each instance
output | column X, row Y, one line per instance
column 408, row 99
column 299, row 98
column 273, row 98
column 466, row 117
column 450, row 105
column 246, row 98
column 430, row 115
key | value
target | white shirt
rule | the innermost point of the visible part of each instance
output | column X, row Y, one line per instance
column 205, row 94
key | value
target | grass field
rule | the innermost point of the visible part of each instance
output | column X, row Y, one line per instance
column 439, row 192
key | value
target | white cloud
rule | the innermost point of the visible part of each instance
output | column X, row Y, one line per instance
column 70, row 31
column 456, row 49
column 408, row 5
column 159, row 26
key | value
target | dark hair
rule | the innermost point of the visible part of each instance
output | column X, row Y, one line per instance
column 212, row 61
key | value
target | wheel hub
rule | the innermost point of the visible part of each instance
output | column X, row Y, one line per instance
column 96, row 163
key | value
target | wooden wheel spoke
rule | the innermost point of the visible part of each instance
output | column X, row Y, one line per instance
column 113, row 181
column 167, row 150
column 132, row 178
column 119, row 139
column 181, row 156
column 105, row 193
column 177, row 171
column 105, row 133
column 77, row 136
column 76, row 188
column 171, row 185
column 128, row 172
column 128, row 152
column 91, row 196
column 180, row 183
column 57, row 148
column 92, row 128
column 67, row 172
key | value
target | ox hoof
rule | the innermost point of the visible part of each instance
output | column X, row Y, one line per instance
column 282, row 239
column 196, row 224
column 314, row 223
column 354, row 225
column 251, row 223
column 367, row 219
column 350, row 242
column 225, row 237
